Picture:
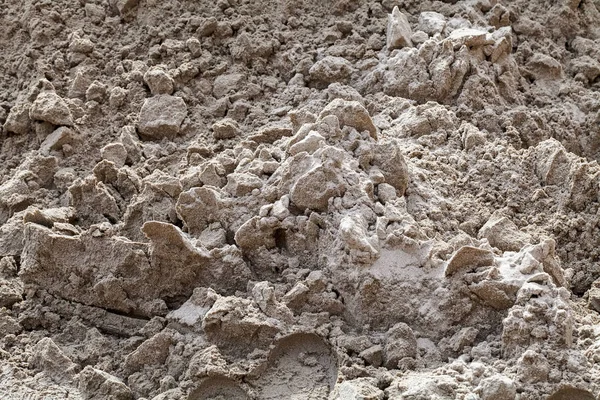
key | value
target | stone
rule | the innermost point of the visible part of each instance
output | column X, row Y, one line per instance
column 314, row 189
column 373, row 355
column 153, row 351
column 543, row 67
column 117, row 96
column 496, row 294
column 237, row 326
column 225, row 129
column 468, row 257
column 358, row 389
column 431, row 22
column 123, row 6
column 271, row 133
column 503, row 234
column 497, row 387
column 200, row 206
column 93, row 201
column 9, row 325
column 227, row 84
column 469, row 37
column 313, row 141
column 18, row 119
column 50, row 107
column 400, row 343
column 48, row 357
column 350, row 113
column 192, row 312
column 114, row 152
column 11, row 292
column 388, row 158
column 159, row 81
column 96, row 92
column 241, row 183
column 81, row 45
column 398, row 30
column 386, row 193
column 161, row 116
column 95, row 384
column 353, row 231
column 57, row 139
column 330, row 69
column 533, row 367
column 594, row 298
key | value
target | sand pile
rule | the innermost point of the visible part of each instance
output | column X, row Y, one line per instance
column 300, row 200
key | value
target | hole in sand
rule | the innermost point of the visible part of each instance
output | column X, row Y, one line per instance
column 301, row 366
column 218, row 388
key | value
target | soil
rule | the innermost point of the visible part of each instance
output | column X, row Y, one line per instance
column 346, row 199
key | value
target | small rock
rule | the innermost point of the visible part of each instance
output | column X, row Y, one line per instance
column 280, row 208
column 207, row 27
column 241, row 184
column 331, row 69
column 227, row 84
column 503, row 234
column 225, row 129
column 544, row 67
column 123, row 6
column 373, row 355
column 351, row 113
column 469, row 37
column 9, row 325
column 358, row 389
column 469, row 257
column 11, row 292
column 48, row 357
column 419, row 37
column 95, row 384
column 398, row 30
column 57, row 139
column 400, row 343
column 314, row 189
column 353, row 231
column 390, row 161
column 270, row 134
column 432, row 22
column 594, row 298
column 153, row 351
column 159, row 81
column 18, row 119
column 81, row 45
column 533, row 367
column 309, row 144
column 497, row 387
column 117, row 97
column 472, row 137
column 161, row 116
column 386, row 193
column 114, row 152
column 50, row 107
column 96, row 92
column 95, row 12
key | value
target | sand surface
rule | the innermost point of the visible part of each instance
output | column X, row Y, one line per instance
column 277, row 199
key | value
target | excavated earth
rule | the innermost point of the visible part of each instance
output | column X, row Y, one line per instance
column 318, row 199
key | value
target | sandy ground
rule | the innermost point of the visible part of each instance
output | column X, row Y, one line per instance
column 299, row 199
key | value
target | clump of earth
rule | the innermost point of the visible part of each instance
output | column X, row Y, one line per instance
column 300, row 200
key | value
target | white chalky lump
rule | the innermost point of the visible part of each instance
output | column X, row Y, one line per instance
column 243, row 200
